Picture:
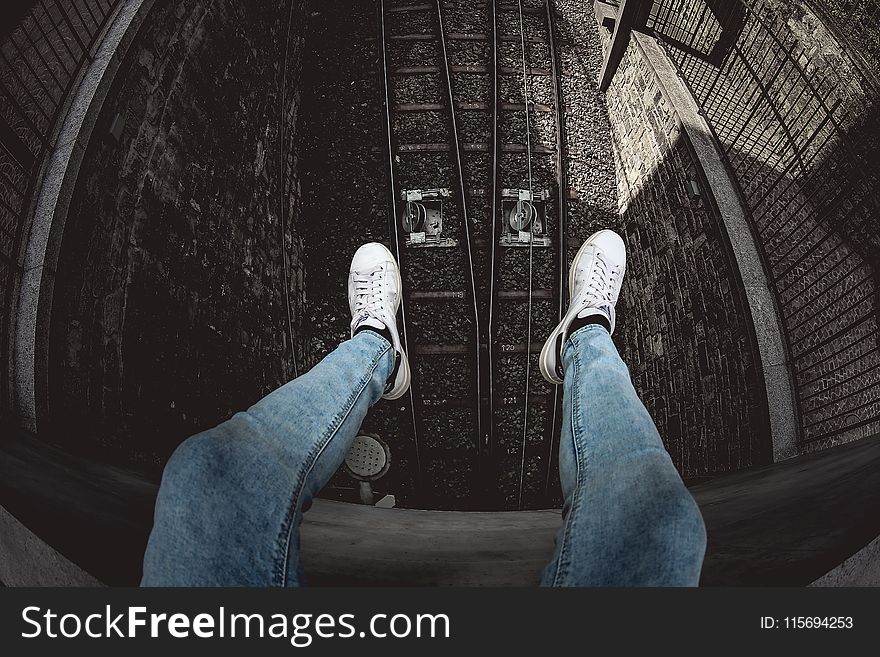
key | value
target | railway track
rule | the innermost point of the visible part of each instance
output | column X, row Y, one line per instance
column 476, row 184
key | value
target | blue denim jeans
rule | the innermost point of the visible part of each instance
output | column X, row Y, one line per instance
column 628, row 520
column 232, row 498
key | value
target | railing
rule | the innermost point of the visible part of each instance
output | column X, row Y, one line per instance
column 797, row 123
column 40, row 60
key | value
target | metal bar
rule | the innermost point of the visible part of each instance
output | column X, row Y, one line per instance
column 805, row 91
column 806, row 79
column 10, row 184
column 494, row 212
column 748, row 36
column 76, row 36
column 17, row 149
column 831, row 208
column 839, row 414
column 105, row 18
column 26, row 90
column 770, row 103
column 561, row 228
column 842, row 382
column 91, row 14
column 829, row 356
column 467, row 225
column 628, row 17
column 753, row 205
column 851, row 289
column 832, row 338
column 702, row 26
column 761, row 95
column 531, row 258
column 394, row 233
column 36, row 48
column 73, row 58
column 848, row 427
column 82, row 19
column 819, row 278
column 776, row 139
column 814, row 191
column 36, row 76
column 15, row 212
column 852, row 306
column 827, row 204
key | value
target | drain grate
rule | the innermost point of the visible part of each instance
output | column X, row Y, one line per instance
column 368, row 458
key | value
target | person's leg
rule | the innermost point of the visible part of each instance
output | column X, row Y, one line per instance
column 628, row 519
column 232, row 498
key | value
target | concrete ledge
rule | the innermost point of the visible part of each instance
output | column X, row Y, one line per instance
column 861, row 569
column 346, row 544
column 25, row 560
column 52, row 199
column 765, row 316
column 784, row 524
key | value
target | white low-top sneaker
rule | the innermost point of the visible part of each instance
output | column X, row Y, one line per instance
column 594, row 286
column 374, row 289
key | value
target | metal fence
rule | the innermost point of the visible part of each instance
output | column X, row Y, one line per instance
column 795, row 114
column 40, row 60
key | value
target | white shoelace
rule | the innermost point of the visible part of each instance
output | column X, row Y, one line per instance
column 600, row 286
column 369, row 290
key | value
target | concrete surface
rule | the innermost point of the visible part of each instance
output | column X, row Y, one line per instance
column 861, row 569
column 785, row 524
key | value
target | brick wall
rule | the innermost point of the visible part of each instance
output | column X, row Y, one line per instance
column 169, row 311
column 685, row 335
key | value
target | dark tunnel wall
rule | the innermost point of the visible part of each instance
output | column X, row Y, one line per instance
column 169, row 311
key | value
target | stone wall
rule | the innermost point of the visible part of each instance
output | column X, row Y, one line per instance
column 169, row 311
column 687, row 333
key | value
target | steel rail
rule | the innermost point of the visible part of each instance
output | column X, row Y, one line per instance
column 394, row 232
column 562, row 221
column 494, row 210
column 527, row 390
column 466, row 221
